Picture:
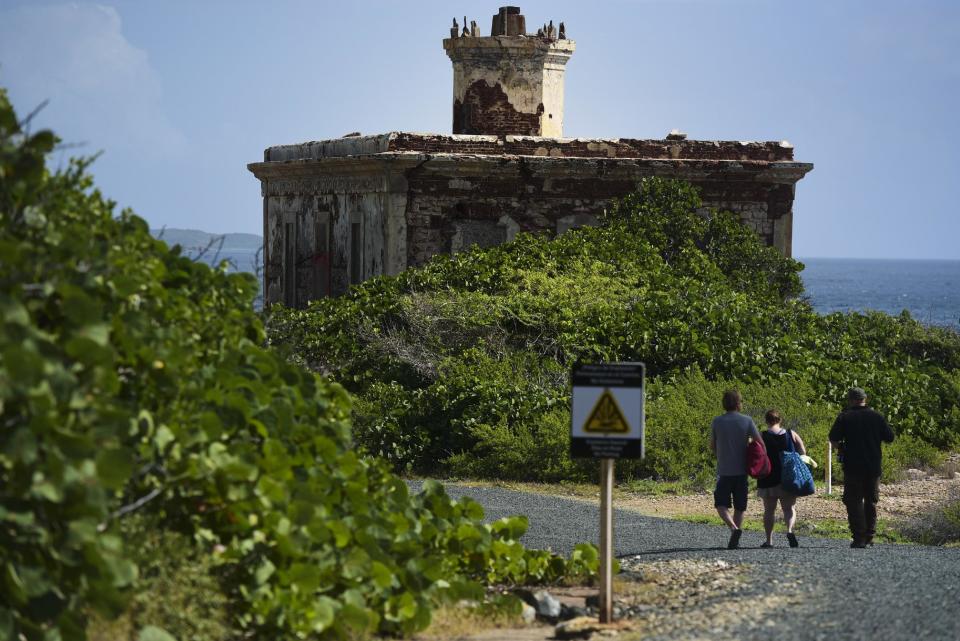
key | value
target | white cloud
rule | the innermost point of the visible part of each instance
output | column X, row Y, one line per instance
column 102, row 89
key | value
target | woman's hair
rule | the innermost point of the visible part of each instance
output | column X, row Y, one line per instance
column 772, row 417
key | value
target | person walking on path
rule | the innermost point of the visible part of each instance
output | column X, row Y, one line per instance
column 729, row 433
column 857, row 434
column 768, row 488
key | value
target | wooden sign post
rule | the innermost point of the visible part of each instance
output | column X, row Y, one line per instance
column 607, row 423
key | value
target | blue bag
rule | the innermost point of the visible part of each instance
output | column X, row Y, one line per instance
column 795, row 477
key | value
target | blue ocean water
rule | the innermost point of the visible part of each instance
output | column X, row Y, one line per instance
column 928, row 289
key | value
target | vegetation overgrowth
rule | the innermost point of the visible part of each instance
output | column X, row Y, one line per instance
column 136, row 392
column 462, row 367
column 937, row 525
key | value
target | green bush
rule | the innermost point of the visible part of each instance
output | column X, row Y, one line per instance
column 133, row 379
column 462, row 367
column 908, row 452
column 938, row 525
column 181, row 587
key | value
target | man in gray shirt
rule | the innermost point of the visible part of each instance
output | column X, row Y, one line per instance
column 728, row 439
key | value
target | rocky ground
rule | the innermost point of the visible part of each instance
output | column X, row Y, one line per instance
column 679, row 581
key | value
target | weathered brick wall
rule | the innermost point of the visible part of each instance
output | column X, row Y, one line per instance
column 592, row 148
column 544, row 198
column 486, row 108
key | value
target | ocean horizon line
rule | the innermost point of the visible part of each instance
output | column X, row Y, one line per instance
column 878, row 258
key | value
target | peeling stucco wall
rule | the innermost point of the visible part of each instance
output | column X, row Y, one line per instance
column 329, row 227
column 508, row 84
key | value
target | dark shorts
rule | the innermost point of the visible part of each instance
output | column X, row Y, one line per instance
column 735, row 486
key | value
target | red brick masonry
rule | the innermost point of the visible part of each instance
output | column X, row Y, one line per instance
column 593, row 148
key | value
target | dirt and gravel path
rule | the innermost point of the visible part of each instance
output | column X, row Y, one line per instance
column 682, row 583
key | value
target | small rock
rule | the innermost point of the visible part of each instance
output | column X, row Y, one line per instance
column 547, row 606
column 528, row 614
column 579, row 628
column 585, row 627
column 568, row 612
column 915, row 475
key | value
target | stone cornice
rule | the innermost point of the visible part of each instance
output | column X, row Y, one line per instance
column 611, row 168
column 500, row 46
column 333, row 175
column 380, row 172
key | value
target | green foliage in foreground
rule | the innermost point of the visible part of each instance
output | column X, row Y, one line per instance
column 132, row 378
column 462, row 366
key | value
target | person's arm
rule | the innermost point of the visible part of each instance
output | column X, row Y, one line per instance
column 886, row 435
column 713, row 440
column 801, row 448
column 836, row 433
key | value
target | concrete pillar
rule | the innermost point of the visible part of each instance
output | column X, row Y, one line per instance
column 510, row 84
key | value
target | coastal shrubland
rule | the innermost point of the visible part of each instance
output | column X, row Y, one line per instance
column 461, row 367
column 158, row 460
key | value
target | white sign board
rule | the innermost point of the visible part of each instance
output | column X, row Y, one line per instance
column 608, row 411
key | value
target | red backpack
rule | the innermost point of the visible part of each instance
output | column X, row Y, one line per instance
column 758, row 463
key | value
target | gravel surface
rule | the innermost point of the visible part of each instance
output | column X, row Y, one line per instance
column 822, row 590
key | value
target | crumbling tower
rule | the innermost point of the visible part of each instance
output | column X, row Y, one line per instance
column 508, row 83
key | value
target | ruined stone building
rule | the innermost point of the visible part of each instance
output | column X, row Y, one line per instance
column 336, row 212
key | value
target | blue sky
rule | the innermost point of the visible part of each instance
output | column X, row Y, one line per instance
column 180, row 95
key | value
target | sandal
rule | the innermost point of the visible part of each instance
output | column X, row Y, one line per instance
column 734, row 541
column 792, row 538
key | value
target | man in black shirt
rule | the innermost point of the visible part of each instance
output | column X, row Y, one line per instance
column 857, row 434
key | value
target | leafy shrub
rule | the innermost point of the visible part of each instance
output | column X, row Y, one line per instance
column 906, row 452
column 939, row 525
column 180, row 587
column 132, row 378
column 461, row 366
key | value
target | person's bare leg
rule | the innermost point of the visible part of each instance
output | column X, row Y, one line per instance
column 724, row 513
column 769, row 517
column 738, row 519
column 789, row 505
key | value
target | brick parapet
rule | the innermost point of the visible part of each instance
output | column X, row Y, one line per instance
column 592, row 147
column 485, row 145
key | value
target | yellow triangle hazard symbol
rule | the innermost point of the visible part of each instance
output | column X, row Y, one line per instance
column 606, row 416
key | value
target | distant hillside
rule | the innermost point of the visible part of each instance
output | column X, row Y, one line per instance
column 239, row 250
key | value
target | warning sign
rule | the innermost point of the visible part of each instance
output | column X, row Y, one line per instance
column 607, row 413
column 606, row 416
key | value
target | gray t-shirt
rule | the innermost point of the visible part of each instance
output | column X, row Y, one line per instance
column 730, row 432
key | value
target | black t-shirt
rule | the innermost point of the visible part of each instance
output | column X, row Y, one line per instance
column 776, row 443
column 859, row 432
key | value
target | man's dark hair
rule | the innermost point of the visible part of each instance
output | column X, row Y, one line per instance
column 731, row 400
column 772, row 417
